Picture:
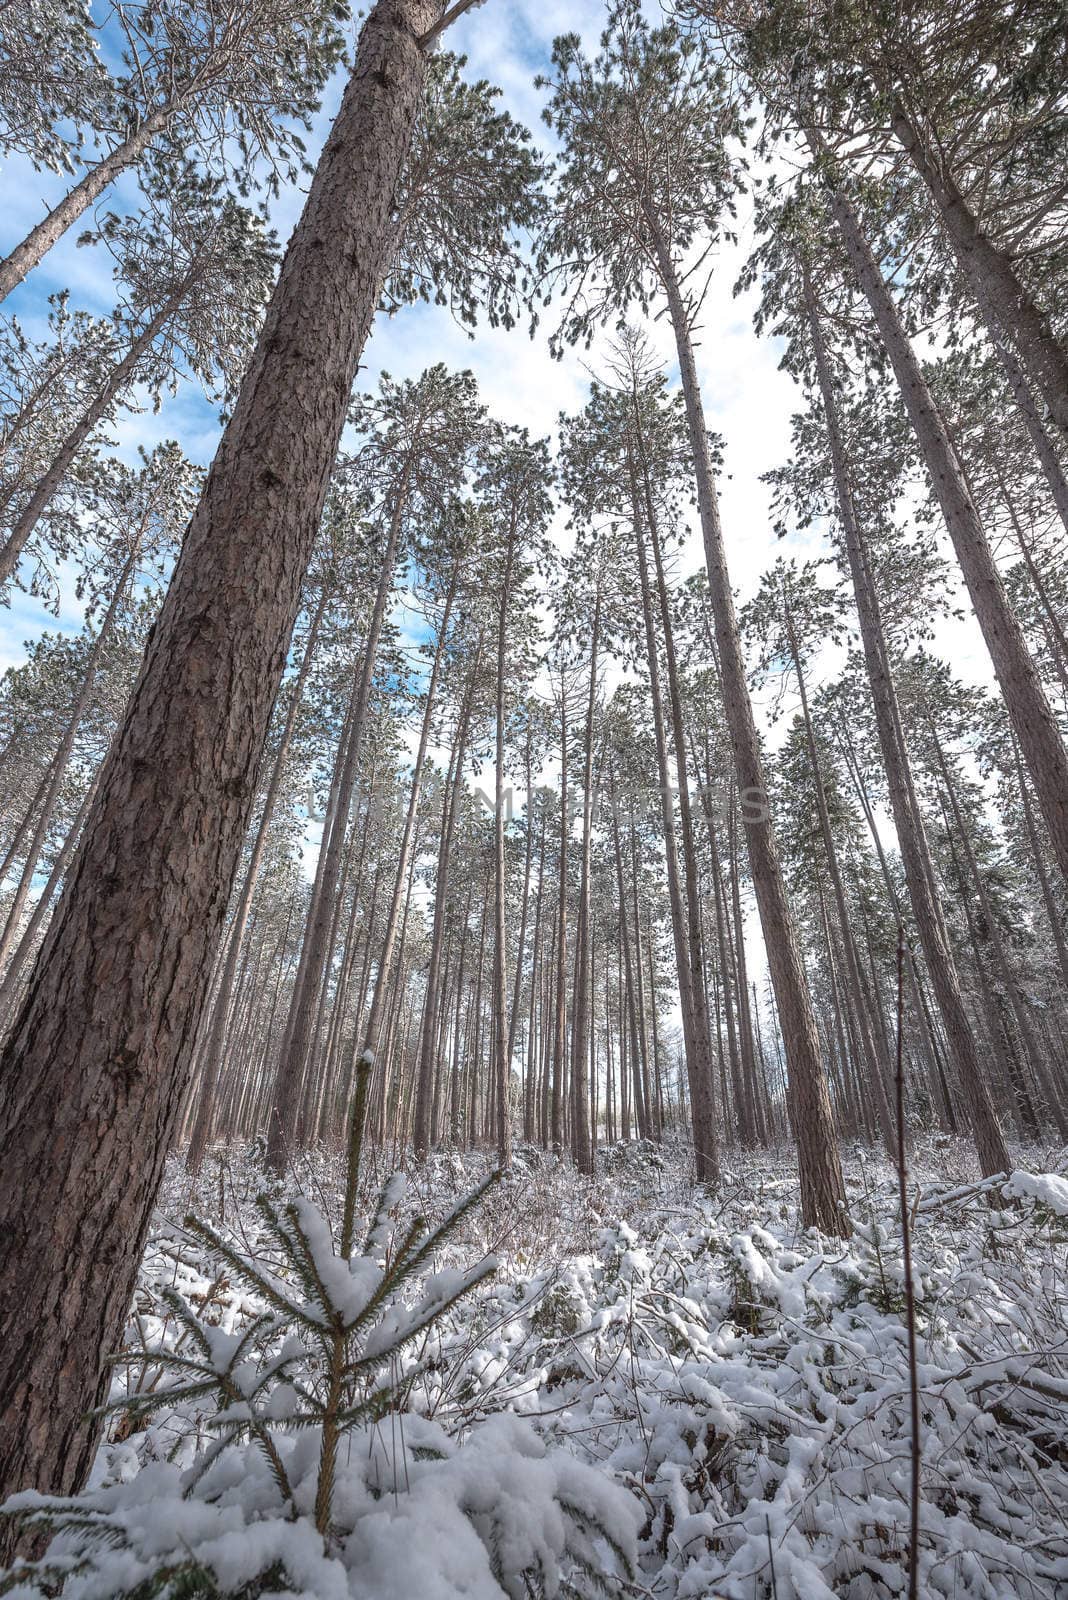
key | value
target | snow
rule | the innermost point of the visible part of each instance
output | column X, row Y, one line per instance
column 721, row 1392
column 1047, row 1187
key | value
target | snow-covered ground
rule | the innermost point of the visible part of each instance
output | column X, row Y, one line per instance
column 687, row 1386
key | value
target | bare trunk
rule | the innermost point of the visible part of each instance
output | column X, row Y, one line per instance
column 405, row 857
column 702, row 1038
column 908, row 822
column 9, row 987
column 878, row 1069
column 1002, row 297
column 1034, row 1054
column 1019, row 681
column 212, row 1055
column 560, row 1003
column 502, row 1062
column 822, row 1185
column 74, row 204
column 581, row 1146
column 62, row 756
column 696, row 1039
column 122, row 372
column 300, row 1028
column 425, row 1068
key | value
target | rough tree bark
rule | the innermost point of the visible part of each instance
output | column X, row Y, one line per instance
column 104, row 1036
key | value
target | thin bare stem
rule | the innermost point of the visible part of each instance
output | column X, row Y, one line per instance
column 910, row 1298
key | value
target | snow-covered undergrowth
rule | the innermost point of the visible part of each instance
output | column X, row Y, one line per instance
column 645, row 1358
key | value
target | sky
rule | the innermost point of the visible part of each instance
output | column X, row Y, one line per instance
column 748, row 399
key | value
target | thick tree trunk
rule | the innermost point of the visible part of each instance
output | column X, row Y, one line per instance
column 822, row 1185
column 1019, row 681
column 908, row 822
column 104, row 1036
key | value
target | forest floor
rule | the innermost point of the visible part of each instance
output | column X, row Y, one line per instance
column 745, row 1382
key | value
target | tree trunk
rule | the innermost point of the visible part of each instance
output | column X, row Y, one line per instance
column 556, row 1119
column 1052, row 914
column 581, row 1146
column 122, row 373
column 908, row 822
column 104, row 1036
column 695, row 1032
column 517, row 985
column 878, row 1069
column 1034, row 1054
column 212, row 1055
column 407, row 844
column 424, row 1076
column 62, row 756
column 1048, row 458
column 74, row 204
column 1019, row 681
column 1000, row 293
column 311, row 974
column 22, row 951
column 502, row 1061
column 694, row 940
column 822, row 1185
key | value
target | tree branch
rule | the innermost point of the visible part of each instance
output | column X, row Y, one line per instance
column 447, row 18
